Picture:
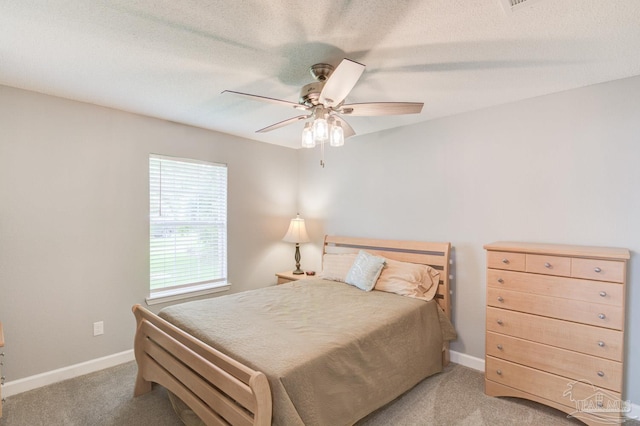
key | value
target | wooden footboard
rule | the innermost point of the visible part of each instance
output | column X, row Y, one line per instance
column 217, row 388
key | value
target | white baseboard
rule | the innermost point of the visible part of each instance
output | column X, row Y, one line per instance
column 467, row 360
column 15, row 387
column 635, row 412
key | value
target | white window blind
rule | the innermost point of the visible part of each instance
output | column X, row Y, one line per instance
column 188, row 224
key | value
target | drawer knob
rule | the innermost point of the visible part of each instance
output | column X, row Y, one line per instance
column 547, row 265
column 499, row 322
column 603, row 294
column 602, row 316
column 601, row 373
column 499, row 372
column 499, row 346
column 601, row 343
column 596, row 269
column 505, row 261
column 500, row 299
column 500, row 280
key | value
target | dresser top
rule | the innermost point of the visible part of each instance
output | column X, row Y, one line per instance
column 561, row 250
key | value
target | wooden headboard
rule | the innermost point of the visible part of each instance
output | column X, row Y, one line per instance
column 435, row 255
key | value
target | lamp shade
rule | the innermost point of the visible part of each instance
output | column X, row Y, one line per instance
column 297, row 232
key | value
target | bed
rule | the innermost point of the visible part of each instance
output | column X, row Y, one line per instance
column 312, row 351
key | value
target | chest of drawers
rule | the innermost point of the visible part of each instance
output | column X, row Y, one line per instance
column 555, row 326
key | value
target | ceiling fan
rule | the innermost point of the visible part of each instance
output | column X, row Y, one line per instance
column 323, row 101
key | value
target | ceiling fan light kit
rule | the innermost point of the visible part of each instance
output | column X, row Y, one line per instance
column 321, row 130
column 324, row 101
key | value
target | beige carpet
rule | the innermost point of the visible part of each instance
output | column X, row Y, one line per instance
column 456, row 397
column 101, row 398
column 453, row 397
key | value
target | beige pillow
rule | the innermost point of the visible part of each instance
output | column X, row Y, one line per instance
column 408, row 279
column 336, row 266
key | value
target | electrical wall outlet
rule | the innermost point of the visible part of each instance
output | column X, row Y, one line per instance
column 98, row 328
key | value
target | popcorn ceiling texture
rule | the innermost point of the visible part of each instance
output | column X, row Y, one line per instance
column 171, row 60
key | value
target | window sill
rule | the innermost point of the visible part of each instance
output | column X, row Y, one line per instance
column 186, row 293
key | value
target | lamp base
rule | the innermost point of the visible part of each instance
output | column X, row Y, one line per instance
column 297, row 271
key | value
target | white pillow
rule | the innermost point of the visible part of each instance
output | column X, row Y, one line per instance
column 336, row 266
column 365, row 271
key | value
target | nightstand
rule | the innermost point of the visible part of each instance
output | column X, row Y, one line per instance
column 287, row 277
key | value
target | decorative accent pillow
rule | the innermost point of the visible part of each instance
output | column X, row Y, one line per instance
column 365, row 271
column 409, row 279
column 336, row 266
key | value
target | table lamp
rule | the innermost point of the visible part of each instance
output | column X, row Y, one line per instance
column 297, row 233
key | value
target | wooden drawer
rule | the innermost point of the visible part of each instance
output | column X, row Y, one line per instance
column 506, row 260
column 555, row 307
column 598, row 341
column 549, row 265
column 594, row 269
column 546, row 385
column 601, row 372
column 569, row 288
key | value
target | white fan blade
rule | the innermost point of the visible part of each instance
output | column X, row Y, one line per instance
column 267, row 100
column 340, row 82
column 347, row 129
column 283, row 123
column 381, row 108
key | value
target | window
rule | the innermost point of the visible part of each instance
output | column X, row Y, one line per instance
column 188, row 227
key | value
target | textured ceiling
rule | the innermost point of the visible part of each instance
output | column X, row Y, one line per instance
column 171, row 59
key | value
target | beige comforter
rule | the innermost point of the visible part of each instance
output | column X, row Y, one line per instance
column 332, row 353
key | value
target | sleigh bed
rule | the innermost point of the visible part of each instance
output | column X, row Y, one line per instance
column 313, row 351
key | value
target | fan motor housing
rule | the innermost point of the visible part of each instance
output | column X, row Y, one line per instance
column 310, row 93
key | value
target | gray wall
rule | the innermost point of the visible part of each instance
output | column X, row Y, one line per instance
column 74, row 205
column 562, row 168
column 74, row 221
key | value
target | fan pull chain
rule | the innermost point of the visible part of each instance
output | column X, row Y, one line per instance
column 322, row 154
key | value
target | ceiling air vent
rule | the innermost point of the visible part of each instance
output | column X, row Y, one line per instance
column 511, row 6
